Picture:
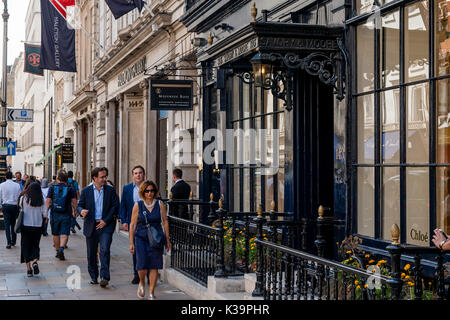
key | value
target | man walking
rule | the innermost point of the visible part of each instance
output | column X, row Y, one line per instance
column 19, row 180
column 180, row 191
column 130, row 195
column 9, row 194
column 62, row 201
column 74, row 184
column 99, row 205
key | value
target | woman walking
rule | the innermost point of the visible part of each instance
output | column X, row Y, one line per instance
column 34, row 213
column 148, row 213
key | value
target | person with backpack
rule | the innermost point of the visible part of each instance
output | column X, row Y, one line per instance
column 62, row 201
column 74, row 184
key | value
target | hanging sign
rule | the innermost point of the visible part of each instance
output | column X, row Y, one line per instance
column 171, row 94
column 67, row 153
column 32, row 60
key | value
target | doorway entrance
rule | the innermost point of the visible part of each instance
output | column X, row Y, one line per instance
column 313, row 148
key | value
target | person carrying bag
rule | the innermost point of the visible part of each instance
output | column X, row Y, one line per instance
column 147, row 237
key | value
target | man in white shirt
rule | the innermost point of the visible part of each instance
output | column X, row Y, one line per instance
column 9, row 194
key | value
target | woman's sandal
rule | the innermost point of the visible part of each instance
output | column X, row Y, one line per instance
column 151, row 297
column 141, row 292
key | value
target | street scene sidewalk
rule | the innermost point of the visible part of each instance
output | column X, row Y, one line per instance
column 51, row 282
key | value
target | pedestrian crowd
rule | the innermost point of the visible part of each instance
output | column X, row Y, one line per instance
column 29, row 205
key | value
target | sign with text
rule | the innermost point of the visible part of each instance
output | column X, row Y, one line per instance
column 171, row 94
column 67, row 153
column 20, row 115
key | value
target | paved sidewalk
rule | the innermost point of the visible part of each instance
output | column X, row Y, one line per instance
column 51, row 282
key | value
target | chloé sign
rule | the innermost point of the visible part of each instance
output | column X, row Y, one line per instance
column 132, row 72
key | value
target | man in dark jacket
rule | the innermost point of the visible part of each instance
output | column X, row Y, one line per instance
column 99, row 206
column 180, row 191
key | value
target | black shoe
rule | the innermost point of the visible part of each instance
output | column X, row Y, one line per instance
column 103, row 283
column 35, row 268
column 29, row 273
column 60, row 255
column 135, row 280
column 13, row 244
column 45, row 234
column 73, row 230
column 93, row 282
column 8, row 246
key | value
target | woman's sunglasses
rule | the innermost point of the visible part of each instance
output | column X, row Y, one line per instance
column 149, row 190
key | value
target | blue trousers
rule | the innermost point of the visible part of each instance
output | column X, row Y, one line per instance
column 10, row 213
column 104, row 239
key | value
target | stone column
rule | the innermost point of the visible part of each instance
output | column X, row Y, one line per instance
column 150, row 129
column 78, row 152
column 101, row 130
column 90, row 143
column 110, row 151
column 123, row 149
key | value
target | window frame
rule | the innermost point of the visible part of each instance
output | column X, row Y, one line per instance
column 378, row 164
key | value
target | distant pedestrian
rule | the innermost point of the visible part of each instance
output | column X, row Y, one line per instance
column 74, row 184
column 180, row 191
column 19, row 180
column 149, row 213
column 62, row 201
column 9, row 194
column 99, row 205
column 44, row 187
column 34, row 214
column 130, row 195
column 53, row 181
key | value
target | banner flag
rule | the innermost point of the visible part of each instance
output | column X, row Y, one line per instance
column 32, row 60
column 57, row 37
column 121, row 7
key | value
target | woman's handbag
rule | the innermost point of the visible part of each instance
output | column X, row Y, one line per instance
column 19, row 221
column 155, row 236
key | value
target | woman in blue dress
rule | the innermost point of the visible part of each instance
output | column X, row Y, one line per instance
column 148, row 211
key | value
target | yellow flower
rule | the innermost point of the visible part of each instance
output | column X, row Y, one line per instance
column 231, row 240
column 403, row 275
column 407, row 277
column 411, row 284
column 365, row 286
column 407, row 267
column 371, row 261
column 225, row 227
column 367, row 256
column 356, row 281
column 430, row 283
column 382, row 261
column 374, row 270
column 358, row 287
column 348, row 252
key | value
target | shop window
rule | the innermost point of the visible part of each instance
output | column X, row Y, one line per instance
column 258, row 167
column 402, row 124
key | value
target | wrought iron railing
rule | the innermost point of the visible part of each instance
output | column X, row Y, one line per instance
column 284, row 273
column 284, row 270
column 195, row 249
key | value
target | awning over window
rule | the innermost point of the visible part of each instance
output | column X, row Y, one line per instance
column 40, row 162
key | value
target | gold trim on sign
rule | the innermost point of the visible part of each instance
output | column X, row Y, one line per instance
column 172, row 85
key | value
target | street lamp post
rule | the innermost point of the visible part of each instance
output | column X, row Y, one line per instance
column 3, row 119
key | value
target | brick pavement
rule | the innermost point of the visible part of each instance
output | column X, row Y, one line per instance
column 51, row 282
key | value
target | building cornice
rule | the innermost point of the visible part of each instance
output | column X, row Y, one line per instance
column 131, row 41
column 81, row 100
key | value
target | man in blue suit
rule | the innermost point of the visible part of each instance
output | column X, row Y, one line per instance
column 99, row 205
column 130, row 195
